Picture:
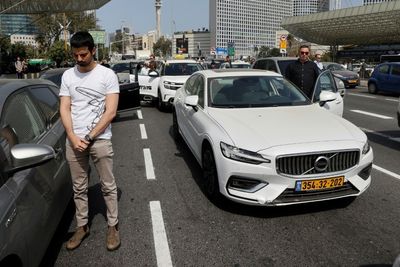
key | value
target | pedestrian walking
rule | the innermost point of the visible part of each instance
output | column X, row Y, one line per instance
column 19, row 68
column 88, row 103
column 303, row 72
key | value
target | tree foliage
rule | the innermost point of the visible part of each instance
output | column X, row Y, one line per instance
column 162, row 47
column 265, row 51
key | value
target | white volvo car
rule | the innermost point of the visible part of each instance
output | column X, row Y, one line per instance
column 261, row 141
column 160, row 86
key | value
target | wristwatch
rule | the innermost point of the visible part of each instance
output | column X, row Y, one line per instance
column 88, row 138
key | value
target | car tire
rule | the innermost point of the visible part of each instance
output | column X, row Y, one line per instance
column 372, row 88
column 175, row 126
column 210, row 175
column 160, row 103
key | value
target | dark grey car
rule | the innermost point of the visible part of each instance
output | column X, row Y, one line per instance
column 35, row 183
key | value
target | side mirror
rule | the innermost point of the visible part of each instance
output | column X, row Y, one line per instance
column 153, row 73
column 192, row 100
column 25, row 156
column 326, row 96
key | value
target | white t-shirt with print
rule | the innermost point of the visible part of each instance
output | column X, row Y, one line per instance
column 88, row 93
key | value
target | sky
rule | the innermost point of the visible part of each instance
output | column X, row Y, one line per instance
column 176, row 15
column 140, row 15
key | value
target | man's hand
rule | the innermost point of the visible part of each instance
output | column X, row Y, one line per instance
column 79, row 144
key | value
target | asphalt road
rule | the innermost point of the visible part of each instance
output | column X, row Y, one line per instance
column 166, row 220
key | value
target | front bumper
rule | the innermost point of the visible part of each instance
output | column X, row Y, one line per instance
column 279, row 190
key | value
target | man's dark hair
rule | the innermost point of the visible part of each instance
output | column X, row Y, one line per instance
column 304, row 46
column 82, row 39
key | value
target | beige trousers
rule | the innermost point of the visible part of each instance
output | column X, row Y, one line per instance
column 101, row 152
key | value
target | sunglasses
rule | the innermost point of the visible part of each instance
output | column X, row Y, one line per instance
column 304, row 53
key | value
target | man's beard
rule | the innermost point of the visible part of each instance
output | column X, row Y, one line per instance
column 83, row 63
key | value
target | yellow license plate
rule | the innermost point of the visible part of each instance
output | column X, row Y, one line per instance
column 319, row 184
column 352, row 81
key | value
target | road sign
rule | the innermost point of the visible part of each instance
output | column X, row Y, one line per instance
column 212, row 51
column 99, row 37
column 221, row 51
column 231, row 49
column 283, row 42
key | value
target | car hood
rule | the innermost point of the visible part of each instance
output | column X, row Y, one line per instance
column 175, row 79
column 262, row 128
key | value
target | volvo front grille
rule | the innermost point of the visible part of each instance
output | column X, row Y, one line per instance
column 315, row 163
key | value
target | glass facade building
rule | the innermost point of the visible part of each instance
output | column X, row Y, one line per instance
column 17, row 24
column 369, row 2
column 246, row 23
column 307, row 7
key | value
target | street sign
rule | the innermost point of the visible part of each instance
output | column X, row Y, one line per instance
column 231, row 49
column 283, row 42
column 99, row 37
column 221, row 51
column 212, row 51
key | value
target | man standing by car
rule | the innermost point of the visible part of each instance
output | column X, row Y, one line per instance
column 89, row 99
column 317, row 60
column 303, row 72
column 19, row 67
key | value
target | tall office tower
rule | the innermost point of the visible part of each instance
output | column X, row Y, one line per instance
column 158, row 18
column 335, row 4
column 246, row 24
column 369, row 2
column 306, row 7
column 17, row 24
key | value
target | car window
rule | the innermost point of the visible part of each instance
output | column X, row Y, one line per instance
column 325, row 82
column 22, row 116
column 199, row 85
column 260, row 64
column 271, row 66
column 190, row 85
column 47, row 102
column 396, row 70
column 384, row 69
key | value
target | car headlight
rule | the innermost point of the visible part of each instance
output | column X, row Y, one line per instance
column 167, row 85
column 242, row 155
column 366, row 148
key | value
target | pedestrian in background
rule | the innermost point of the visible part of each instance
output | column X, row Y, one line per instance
column 19, row 68
column 89, row 99
column 317, row 60
column 303, row 72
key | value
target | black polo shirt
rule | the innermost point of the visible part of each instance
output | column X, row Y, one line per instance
column 304, row 75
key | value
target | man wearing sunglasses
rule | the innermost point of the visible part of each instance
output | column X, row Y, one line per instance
column 303, row 72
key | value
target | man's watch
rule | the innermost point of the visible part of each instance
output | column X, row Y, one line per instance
column 88, row 138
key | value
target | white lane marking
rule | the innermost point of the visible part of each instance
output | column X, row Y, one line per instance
column 160, row 236
column 395, row 175
column 139, row 114
column 148, row 162
column 143, row 131
column 372, row 114
column 393, row 100
column 395, row 139
column 366, row 96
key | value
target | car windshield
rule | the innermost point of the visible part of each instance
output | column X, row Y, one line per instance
column 254, row 91
column 178, row 69
column 283, row 64
column 123, row 67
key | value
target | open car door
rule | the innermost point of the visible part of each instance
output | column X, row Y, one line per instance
column 326, row 83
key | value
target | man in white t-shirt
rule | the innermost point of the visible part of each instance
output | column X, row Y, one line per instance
column 88, row 103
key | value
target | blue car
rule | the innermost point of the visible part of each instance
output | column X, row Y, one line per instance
column 385, row 78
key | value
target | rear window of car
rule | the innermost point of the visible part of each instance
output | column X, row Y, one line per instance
column 396, row 70
column 384, row 69
column 177, row 69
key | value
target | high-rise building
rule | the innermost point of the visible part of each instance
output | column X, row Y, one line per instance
column 17, row 24
column 306, row 7
column 246, row 24
column 369, row 2
column 335, row 4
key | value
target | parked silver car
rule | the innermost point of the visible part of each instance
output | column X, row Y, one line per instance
column 35, row 183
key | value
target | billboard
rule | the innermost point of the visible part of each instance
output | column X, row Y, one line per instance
column 182, row 45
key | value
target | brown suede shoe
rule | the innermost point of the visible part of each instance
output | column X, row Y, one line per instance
column 113, row 241
column 80, row 234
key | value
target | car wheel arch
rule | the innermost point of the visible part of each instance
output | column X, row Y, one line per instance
column 11, row 260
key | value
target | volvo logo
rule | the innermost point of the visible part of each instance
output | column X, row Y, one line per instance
column 321, row 164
